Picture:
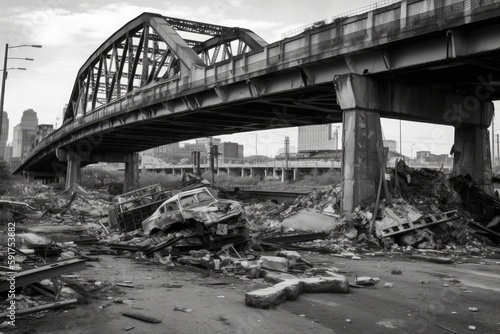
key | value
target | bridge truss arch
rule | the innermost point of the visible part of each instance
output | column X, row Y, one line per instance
column 149, row 49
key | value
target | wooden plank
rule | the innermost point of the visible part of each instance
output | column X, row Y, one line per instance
column 141, row 317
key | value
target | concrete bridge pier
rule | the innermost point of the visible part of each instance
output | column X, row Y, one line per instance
column 472, row 155
column 361, row 169
column 283, row 174
column 74, row 170
column 363, row 98
column 73, row 166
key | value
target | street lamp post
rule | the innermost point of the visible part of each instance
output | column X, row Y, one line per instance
column 4, row 77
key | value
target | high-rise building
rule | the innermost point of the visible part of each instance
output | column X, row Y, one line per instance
column 316, row 138
column 203, row 144
column 5, row 135
column 24, row 134
column 228, row 151
column 240, row 152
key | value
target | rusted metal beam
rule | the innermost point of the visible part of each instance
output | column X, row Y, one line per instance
column 43, row 272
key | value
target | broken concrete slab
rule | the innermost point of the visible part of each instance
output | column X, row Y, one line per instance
column 291, row 289
column 310, row 221
column 294, row 257
column 32, row 239
column 276, row 263
column 276, row 277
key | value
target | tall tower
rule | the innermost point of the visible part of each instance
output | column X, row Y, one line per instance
column 24, row 134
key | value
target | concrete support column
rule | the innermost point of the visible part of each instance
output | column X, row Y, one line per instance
column 242, row 172
column 472, row 155
column 252, row 172
column 265, row 172
column 131, row 180
column 295, row 174
column 361, row 169
column 275, row 172
column 74, row 169
column 283, row 174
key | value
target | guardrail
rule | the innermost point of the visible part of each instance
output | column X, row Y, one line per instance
column 353, row 12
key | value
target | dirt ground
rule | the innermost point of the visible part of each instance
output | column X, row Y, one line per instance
column 425, row 298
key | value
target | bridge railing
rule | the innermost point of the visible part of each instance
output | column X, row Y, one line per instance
column 353, row 12
column 352, row 35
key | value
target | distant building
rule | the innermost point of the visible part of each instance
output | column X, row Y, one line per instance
column 229, row 151
column 316, row 138
column 203, row 144
column 421, row 155
column 428, row 157
column 182, row 152
column 391, row 145
column 24, row 134
column 5, row 135
column 240, row 152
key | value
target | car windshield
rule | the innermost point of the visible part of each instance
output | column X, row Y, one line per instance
column 196, row 198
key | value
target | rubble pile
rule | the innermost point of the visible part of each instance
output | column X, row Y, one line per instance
column 425, row 213
column 195, row 226
column 51, row 225
column 267, row 217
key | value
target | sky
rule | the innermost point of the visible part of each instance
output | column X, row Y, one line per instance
column 70, row 31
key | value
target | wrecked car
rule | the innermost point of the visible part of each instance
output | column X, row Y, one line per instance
column 202, row 217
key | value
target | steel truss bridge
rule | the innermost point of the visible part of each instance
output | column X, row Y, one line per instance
column 160, row 80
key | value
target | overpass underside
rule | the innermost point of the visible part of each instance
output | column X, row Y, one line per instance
column 433, row 61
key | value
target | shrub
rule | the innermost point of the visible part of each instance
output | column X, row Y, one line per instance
column 167, row 181
column 5, row 178
column 99, row 177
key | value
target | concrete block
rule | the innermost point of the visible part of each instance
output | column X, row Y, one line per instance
column 310, row 221
column 274, row 263
column 291, row 289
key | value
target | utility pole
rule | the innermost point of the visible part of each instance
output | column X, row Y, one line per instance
column 256, row 152
column 287, row 151
column 400, row 143
column 498, row 148
column 493, row 140
column 196, row 162
column 214, row 152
